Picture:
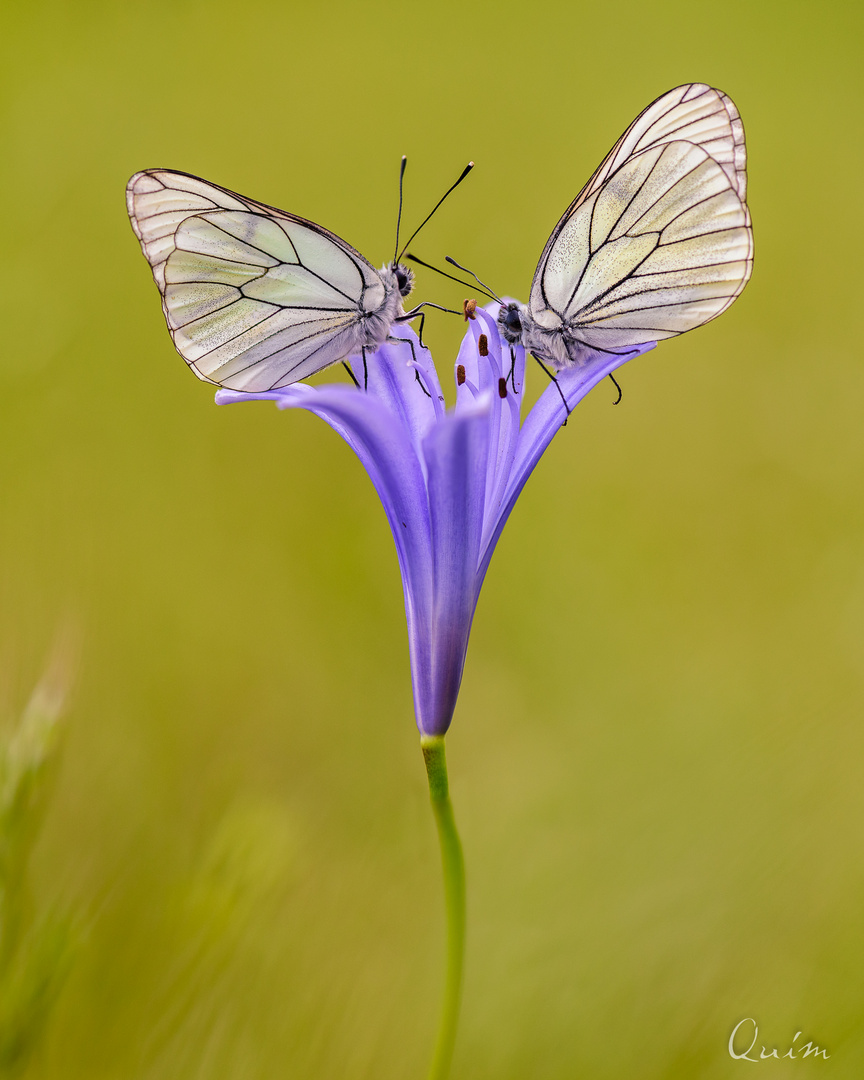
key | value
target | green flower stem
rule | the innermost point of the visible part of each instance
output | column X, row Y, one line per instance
column 453, row 866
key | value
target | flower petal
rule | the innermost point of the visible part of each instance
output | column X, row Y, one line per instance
column 456, row 453
column 405, row 382
column 447, row 481
column 508, row 364
column 385, row 449
column 541, row 426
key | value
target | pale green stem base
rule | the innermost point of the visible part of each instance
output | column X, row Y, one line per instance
column 453, row 866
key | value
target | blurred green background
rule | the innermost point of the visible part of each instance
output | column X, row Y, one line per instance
column 656, row 760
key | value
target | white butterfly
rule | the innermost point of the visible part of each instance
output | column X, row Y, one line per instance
column 657, row 242
column 254, row 297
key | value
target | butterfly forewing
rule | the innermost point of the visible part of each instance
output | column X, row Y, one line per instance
column 254, row 297
column 659, row 240
column 694, row 113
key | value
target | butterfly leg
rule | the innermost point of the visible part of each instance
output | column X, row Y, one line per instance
column 413, row 315
column 611, row 352
column 420, row 383
column 351, row 374
column 420, row 331
column 414, row 312
column 410, row 344
column 557, row 387
column 512, row 375
column 365, row 369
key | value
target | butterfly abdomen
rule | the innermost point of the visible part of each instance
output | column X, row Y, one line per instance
column 556, row 347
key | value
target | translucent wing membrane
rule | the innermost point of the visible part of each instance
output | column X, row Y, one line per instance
column 694, row 113
column 255, row 298
column 659, row 240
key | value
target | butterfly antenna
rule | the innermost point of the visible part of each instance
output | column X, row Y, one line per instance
column 477, row 279
column 464, row 173
column 429, row 266
column 399, row 218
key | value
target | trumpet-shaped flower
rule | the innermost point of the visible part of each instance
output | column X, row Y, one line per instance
column 447, row 479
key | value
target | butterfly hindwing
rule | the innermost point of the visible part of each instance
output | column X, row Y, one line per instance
column 659, row 240
column 254, row 297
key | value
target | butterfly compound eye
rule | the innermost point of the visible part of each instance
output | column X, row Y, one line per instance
column 404, row 279
column 510, row 323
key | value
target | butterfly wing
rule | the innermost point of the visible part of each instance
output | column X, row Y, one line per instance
column 254, row 297
column 659, row 240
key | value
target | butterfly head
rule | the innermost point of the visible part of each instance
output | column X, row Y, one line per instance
column 404, row 278
column 510, row 322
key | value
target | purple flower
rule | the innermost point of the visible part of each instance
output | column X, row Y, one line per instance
column 447, row 479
